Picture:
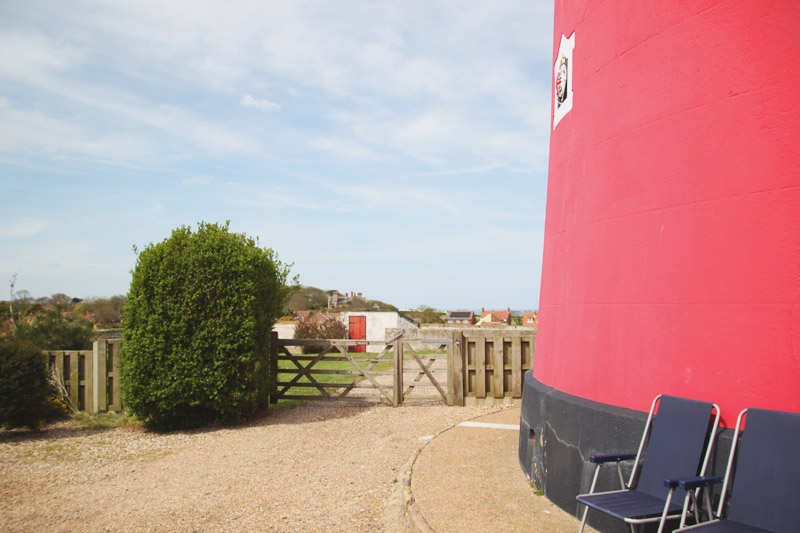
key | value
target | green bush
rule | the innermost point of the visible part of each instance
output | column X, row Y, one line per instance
column 319, row 327
column 196, row 331
column 23, row 385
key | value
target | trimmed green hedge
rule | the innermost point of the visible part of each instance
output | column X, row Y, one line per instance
column 196, row 329
column 23, row 385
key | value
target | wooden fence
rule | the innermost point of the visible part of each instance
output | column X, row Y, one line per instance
column 90, row 377
column 490, row 364
column 484, row 367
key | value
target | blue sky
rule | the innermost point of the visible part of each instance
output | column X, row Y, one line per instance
column 392, row 147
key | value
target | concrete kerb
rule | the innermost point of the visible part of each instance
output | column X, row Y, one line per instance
column 403, row 491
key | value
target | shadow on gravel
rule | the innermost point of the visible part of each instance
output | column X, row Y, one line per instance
column 59, row 430
column 302, row 413
column 328, row 410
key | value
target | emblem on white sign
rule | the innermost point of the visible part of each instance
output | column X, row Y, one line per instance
column 562, row 79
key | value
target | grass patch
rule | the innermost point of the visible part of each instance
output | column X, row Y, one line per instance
column 107, row 420
column 345, row 379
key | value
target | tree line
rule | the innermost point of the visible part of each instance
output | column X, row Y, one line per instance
column 59, row 321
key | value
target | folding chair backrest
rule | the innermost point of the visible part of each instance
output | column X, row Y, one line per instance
column 766, row 486
column 677, row 444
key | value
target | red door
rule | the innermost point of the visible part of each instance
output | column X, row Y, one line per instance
column 358, row 331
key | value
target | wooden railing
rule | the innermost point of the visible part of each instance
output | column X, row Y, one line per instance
column 90, row 377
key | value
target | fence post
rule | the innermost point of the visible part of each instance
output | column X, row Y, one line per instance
column 455, row 366
column 516, row 367
column 397, row 391
column 88, row 377
column 112, row 375
column 497, row 365
column 273, row 365
column 98, row 377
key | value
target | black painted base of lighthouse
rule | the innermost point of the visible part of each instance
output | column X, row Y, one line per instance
column 558, row 433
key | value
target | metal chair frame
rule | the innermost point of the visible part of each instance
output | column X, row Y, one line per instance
column 705, row 482
column 599, row 460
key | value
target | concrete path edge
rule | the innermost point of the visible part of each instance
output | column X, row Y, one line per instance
column 413, row 515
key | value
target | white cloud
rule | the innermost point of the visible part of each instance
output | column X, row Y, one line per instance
column 399, row 198
column 23, row 228
column 33, row 58
column 32, row 133
column 263, row 104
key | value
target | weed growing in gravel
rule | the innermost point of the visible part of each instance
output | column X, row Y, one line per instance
column 536, row 491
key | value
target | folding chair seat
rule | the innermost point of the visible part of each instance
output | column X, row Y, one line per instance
column 675, row 437
column 765, row 495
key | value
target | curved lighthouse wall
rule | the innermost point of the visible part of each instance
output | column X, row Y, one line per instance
column 672, row 238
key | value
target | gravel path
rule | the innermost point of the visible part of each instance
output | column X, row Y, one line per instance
column 311, row 468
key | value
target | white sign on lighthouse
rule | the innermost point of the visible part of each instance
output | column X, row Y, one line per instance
column 562, row 79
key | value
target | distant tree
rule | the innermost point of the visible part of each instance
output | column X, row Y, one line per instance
column 319, row 326
column 377, row 305
column 317, row 298
column 62, row 301
column 36, row 308
column 200, row 309
column 106, row 311
column 307, row 299
column 50, row 330
column 107, row 315
column 426, row 315
column 298, row 302
column 23, row 297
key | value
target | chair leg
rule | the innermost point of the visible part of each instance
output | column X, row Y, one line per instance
column 591, row 491
column 663, row 520
column 583, row 520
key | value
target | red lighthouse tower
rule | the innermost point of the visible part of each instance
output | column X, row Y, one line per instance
column 672, row 238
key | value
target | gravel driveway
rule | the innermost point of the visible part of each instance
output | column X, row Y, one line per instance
column 314, row 468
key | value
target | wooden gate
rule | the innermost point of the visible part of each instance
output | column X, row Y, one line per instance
column 337, row 374
column 482, row 367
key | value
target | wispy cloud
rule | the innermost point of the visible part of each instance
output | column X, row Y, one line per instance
column 259, row 103
column 391, row 198
column 23, row 228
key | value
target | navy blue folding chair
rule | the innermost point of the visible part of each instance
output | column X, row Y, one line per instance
column 765, row 496
column 678, row 444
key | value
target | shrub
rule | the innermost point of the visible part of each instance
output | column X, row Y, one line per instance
column 196, row 331
column 319, row 327
column 24, row 389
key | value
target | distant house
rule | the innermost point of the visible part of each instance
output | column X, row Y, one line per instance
column 460, row 318
column 495, row 317
column 530, row 319
column 335, row 299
